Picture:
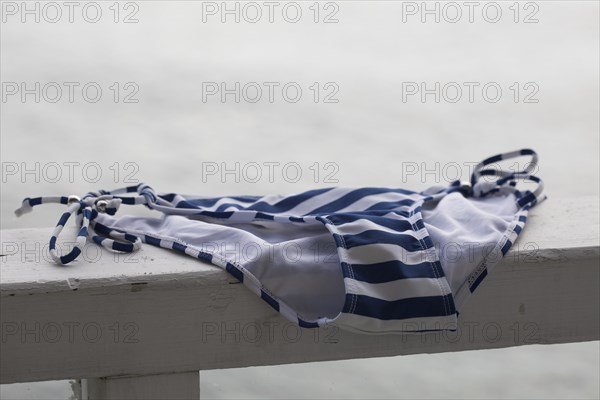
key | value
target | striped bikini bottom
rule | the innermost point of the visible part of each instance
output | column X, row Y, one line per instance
column 371, row 260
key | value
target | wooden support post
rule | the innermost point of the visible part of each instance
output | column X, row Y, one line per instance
column 182, row 386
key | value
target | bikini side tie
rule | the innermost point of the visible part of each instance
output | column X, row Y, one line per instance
column 87, row 210
column 507, row 181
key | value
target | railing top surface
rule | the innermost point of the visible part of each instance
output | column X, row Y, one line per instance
column 557, row 225
column 183, row 311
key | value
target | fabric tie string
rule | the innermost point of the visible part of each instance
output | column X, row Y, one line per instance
column 507, row 180
column 86, row 210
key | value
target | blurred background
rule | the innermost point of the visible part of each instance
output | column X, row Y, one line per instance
column 223, row 98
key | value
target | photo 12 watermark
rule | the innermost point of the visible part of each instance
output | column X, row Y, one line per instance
column 69, row 172
column 91, row 253
column 71, row 332
column 269, row 171
column 448, row 172
column 252, row 12
column 470, row 92
column 70, row 92
column 453, row 12
column 468, row 332
column 266, row 332
column 270, row 92
column 56, row 12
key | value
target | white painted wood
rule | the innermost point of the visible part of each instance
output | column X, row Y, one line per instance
column 182, row 386
column 158, row 312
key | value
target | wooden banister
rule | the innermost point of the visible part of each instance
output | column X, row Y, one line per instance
column 156, row 316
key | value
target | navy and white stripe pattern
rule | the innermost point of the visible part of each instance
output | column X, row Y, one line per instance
column 87, row 210
column 392, row 274
column 393, row 277
column 507, row 181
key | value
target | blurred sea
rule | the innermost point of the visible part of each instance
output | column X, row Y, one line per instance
column 376, row 134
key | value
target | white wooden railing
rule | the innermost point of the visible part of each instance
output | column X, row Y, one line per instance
column 143, row 325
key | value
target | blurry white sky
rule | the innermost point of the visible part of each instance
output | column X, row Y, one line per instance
column 369, row 54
